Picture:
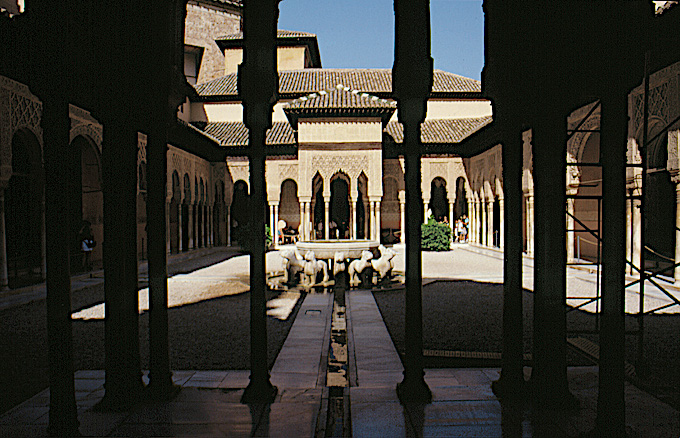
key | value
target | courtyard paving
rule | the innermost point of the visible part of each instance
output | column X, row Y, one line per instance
column 463, row 404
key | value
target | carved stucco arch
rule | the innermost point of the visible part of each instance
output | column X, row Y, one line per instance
column 576, row 146
column 488, row 190
column 89, row 130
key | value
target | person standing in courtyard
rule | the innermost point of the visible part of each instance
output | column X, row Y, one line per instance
column 87, row 244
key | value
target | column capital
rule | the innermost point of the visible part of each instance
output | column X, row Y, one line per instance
column 675, row 178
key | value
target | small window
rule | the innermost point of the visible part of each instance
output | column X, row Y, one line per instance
column 192, row 63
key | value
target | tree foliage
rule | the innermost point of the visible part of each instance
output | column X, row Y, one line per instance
column 436, row 236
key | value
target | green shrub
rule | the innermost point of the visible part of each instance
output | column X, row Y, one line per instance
column 244, row 236
column 436, row 236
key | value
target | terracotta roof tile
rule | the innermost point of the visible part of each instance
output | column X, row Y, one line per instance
column 279, row 34
column 235, row 134
column 305, row 81
column 441, row 131
column 438, row 131
column 339, row 98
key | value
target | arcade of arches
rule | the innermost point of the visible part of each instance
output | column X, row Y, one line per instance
column 322, row 194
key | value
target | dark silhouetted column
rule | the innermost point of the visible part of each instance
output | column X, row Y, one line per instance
column 119, row 167
column 63, row 419
column 549, row 374
column 411, row 85
column 50, row 85
column 258, row 87
column 160, row 374
column 611, row 408
column 511, row 382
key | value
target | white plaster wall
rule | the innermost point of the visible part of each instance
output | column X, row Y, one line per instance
column 454, row 109
column 340, row 132
column 290, row 58
column 227, row 112
column 232, row 58
column 223, row 112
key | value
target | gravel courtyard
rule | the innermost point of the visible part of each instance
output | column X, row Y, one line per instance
column 208, row 328
column 209, row 321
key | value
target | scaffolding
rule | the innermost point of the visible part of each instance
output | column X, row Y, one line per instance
column 643, row 273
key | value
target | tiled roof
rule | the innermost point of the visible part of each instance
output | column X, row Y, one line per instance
column 305, row 81
column 236, row 134
column 441, row 131
column 444, row 131
column 233, row 3
column 279, row 34
column 340, row 97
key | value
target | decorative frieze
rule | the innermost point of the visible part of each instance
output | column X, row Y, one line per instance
column 439, row 169
column 350, row 164
column 288, row 171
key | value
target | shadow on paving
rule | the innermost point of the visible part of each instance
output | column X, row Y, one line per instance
column 209, row 335
column 467, row 316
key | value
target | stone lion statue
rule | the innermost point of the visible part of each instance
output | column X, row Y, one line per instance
column 383, row 265
column 356, row 267
column 312, row 268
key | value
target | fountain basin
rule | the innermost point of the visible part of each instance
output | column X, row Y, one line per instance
column 326, row 249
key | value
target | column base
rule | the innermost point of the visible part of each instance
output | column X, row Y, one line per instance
column 121, row 399
column 62, row 429
column 163, row 390
column 510, row 389
column 259, row 393
column 554, row 399
column 414, row 390
column 607, row 431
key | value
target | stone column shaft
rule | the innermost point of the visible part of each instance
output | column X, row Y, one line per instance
column 378, row 224
column 43, row 239
column 326, row 217
column 4, row 276
column 611, row 406
column 275, row 227
column 484, row 223
column 355, row 205
column 367, row 218
column 571, row 236
column 167, row 228
column 160, row 375
column 63, row 418
column 511, row 382
column 530, row 223
column 372, row 221
column 501, row 213
column 452, row 221
column 402, row 211
column 303, row 221
column 549, row 375
column 228, row 225
column 677, row 232
column 272, row 225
